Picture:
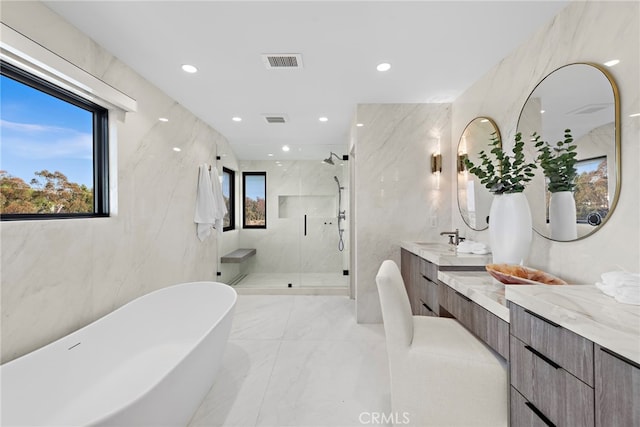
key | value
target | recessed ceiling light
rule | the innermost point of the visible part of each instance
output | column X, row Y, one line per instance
column 323, row 119
column 612, row 62
column 385, row 66
column 270, row 154
column 541, row 111
column 634, row 115
column 285, row 148
column 359, row 125
column 189, row 68
column 484, row 120
column 163, row 119
column 177, row 149
column 236, row 119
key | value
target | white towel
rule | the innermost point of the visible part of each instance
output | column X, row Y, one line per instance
column 623, row 286
column 210, row 207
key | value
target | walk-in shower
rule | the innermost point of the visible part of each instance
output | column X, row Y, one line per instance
column 298, row 247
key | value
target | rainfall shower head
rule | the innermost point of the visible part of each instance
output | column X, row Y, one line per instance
column 329, row 159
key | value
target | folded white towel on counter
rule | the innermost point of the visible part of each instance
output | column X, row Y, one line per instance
column 473, row 247
column 623, row 286
column 210, row 206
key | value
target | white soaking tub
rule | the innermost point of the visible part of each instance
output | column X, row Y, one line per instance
column 148, row 363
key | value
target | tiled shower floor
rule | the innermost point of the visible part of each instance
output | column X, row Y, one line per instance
column 295, row 360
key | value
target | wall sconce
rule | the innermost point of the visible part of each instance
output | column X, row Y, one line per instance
column 436, row 163
column 462, row 157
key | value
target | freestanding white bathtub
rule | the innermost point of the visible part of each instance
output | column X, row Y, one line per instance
column 148, row 363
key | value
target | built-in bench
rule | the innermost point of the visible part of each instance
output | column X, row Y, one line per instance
column 238, row 256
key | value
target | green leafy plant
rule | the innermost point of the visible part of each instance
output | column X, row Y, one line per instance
column 558, row 162
column 503, row 173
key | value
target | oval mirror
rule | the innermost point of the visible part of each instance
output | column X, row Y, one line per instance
column 582, row 98
column 474, row 200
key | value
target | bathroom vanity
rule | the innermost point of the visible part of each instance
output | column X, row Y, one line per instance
column 573, row 353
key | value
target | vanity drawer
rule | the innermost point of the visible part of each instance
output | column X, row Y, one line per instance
column 428, row 295
column 558, row 395
column 429, row 270
column 524, row 413
column 569, row 350
column 491, row 329
column 457, row 304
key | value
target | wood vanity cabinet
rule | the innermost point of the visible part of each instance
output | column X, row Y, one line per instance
column 617, row 387
column 551, row 371
column 419, row 276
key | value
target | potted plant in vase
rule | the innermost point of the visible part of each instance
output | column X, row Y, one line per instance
column 506, row 176
column 558, row 163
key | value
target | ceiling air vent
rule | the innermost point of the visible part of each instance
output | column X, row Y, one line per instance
column 275, row 118
column 282, row 60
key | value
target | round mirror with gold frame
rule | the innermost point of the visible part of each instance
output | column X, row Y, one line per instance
column 474, row 199
column 583, row 98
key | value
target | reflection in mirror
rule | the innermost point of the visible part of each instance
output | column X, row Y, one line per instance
column 584, row 99
column 474, row 200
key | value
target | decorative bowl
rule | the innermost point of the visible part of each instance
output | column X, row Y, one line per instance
column 513, row 274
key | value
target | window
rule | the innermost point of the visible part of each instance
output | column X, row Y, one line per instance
column 229, row 194
column 54, row 151
column 592, row 189
column 254, row 202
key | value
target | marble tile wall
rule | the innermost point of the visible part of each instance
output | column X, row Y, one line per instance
column 60, row 275
column 282, row 246
column 583, row 32
column 397, row 197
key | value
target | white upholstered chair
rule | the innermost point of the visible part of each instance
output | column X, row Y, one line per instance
column 441, row 375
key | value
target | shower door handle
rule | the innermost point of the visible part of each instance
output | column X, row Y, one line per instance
column 305, row 224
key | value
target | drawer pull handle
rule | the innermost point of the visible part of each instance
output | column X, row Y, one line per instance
column 536, row 315
column 622, row 358
column 539, row 414
column 464, row 297
column 426, row 306
column 542, row 356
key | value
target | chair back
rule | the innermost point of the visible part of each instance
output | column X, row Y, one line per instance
column 396, row 309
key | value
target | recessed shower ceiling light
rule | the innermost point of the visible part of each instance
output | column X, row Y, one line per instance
column 385, row 66
column 541, row 111
column 189, row 68
column 236, row 119
column 323, row 119
column 270, row 154
column 285, row 148
column 612, row 62
column 177, row 149
column 163, row 119
column 359, row 125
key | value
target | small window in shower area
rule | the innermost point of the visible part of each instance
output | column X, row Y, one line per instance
column 254, row 202
column 229, row 192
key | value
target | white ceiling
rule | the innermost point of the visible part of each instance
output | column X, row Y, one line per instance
column 437, row 50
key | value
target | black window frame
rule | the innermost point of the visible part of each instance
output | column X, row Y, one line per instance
column 232, row 198
column 100, row 145
column 244, row 198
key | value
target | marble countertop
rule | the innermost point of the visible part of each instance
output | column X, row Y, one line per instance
column 582, row 309
column 585, row 310
column 445, row 255
column 481, row 288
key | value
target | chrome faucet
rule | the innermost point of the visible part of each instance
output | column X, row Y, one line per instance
column 454, row 236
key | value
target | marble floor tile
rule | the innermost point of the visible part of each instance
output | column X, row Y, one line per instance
column 298, row 361
column 326, row 383
column 261, row 317
column 236, row 396
column 328, row 318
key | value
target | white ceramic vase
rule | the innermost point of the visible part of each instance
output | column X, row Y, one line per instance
column 562, row 216
column 510, row 231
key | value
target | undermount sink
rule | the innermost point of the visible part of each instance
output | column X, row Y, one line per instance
column 442, row 247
